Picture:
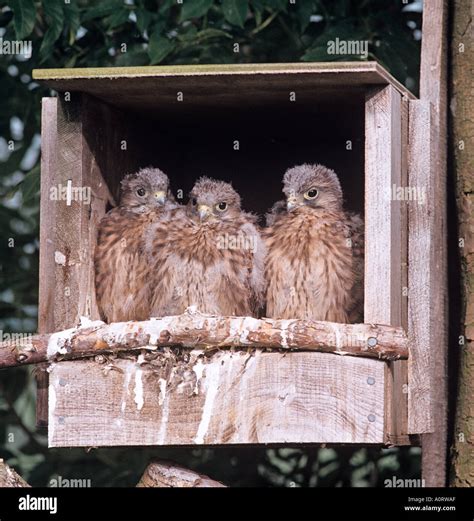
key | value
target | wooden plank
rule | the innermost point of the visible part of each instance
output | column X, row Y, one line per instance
column 433, row 88
column 397, row 378
column 82, row 149
column 71, row 215
column 386, row 236
column 152, row 90
column 47, row 215
column 328, row 73
column 383, row 236
column 231, row 397
column 421, row 277
column 90, row 160
column 46, row 252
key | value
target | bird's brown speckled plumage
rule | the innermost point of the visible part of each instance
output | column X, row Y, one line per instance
column 194, row 266
column 315, row 264
column 122, row 271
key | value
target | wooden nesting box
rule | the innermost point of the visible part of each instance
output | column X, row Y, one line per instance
column 246, row 124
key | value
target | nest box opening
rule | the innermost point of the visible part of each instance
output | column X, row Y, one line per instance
column 253, row 145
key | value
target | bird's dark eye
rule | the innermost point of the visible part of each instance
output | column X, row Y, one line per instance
column 312, row 193
column 221, row 206
column 193, row 201
column 141, row 192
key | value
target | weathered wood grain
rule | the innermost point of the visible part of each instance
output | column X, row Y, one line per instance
column 386, row 235
column 90, row 157
column 162, row 474
column 82, row 149
column 9, row 478
column 209, row 87
column 382, row 297
column 433, row 88
column 71, row 216
column 46, row 323
column 193, row 329
column 231, row 397
column 46, row 320
column 329, row 73
column 397, row 377
column 421, row 273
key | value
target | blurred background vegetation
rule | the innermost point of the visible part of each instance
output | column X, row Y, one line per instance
column 86, row 33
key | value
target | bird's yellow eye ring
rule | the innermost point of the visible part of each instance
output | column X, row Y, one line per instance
column 222, row 207
column 312, row 193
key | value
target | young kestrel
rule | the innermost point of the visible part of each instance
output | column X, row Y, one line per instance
column 121, row 265
column 209, row 255
column 315, row 261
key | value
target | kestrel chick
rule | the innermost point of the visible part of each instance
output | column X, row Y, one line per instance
column 210, row 256
column 315, row 262
column 121, row 265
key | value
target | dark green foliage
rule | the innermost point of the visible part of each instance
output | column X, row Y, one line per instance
column 87, row 33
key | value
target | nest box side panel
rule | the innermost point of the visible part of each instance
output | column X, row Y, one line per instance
column 386, row 236
column 93, row 155
column 422, row 273
column 86, row 150
column 49, row 140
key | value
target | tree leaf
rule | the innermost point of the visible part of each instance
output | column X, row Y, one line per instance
column 277, row 5
column 117, row 18
column 143, row 19
column 188, row 34
column 159, row 47
column 304, row 10
column 104, row 8
column 235, row 11
column 317, row 54
column 54, row 13
column 207, row 34
column 194, row 9
column 24, row 17
column 30, row 185
column 71, row 20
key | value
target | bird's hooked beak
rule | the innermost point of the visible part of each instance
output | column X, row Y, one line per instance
column 291, row 202
column 160, row 196
column 204, row 211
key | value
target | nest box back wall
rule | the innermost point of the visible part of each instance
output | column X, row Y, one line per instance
column 253, row 147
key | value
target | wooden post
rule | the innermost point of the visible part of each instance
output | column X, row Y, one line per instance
column 433, row 88
column 385, row 237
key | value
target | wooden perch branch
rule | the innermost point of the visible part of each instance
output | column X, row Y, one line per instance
column 196, row 330
column 163, row 474
column 9, row 478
